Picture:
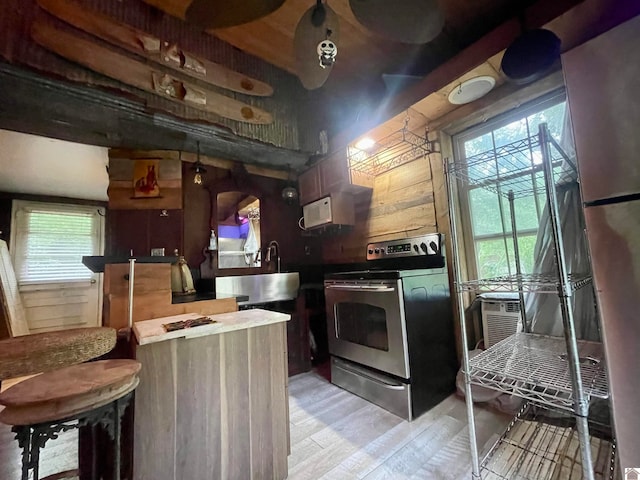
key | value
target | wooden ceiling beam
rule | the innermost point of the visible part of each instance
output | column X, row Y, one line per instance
column 204, row 159
column 33, row 103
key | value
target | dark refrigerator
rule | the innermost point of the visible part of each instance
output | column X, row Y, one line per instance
column 603, row 89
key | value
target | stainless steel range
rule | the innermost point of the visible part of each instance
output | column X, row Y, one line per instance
column 390, row 327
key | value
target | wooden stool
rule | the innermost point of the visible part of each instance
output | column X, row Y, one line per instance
column 88, row 394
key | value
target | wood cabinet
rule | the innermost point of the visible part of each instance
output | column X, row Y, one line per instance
column 309, row 185
column 331, row 175
column 214, row 406
column 298, row 348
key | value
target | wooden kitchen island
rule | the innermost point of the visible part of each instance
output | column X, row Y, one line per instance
column 212, row 401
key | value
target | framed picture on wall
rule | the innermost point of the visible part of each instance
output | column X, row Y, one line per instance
column 145, row 178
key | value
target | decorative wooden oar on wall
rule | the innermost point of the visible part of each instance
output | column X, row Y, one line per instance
column 153, row 48
column 140, row 75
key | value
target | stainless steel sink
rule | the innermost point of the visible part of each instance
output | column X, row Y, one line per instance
column 262, row 288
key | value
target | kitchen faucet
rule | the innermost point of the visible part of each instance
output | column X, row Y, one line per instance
column 275, row 248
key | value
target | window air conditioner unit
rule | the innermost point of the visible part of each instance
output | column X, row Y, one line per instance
column 500, row 319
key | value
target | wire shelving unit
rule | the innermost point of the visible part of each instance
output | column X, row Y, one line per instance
column 539, row 283
column 559, row 373
column 398, row 148
column 532, row 448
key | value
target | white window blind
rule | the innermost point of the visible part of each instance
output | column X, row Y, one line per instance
column 50, row 241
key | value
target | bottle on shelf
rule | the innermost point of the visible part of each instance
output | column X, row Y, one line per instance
column 213, row 241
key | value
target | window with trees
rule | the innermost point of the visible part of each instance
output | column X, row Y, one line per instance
column 500, row 144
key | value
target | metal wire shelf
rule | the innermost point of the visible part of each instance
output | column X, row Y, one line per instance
column 538, row 283
column 392, row 151
column 515, row 167
column 535, row 367
column 532, row 450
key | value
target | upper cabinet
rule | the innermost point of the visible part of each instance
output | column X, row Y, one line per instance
column 331, row 175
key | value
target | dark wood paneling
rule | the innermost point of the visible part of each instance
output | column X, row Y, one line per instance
column 142, row 230
column 5, row 218
column 298, row 348
column 127, row 231
column 278, row 221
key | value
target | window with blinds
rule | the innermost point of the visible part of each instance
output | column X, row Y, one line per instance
column 49, row 241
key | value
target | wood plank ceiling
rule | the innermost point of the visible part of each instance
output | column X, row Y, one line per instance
column 363, row 56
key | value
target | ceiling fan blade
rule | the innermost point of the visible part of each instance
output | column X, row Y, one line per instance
column 409, row 21
column 226, row 13
column 305, row 44
column 394, row 82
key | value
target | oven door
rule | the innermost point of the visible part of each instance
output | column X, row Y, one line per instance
column 366, row 323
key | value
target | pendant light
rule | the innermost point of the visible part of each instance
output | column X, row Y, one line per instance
column 198, row 167
column 289, row 193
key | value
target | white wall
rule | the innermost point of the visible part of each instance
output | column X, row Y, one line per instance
column 44, row 166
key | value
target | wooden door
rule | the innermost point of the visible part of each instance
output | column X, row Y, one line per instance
column 334, row 174
column 57, row 291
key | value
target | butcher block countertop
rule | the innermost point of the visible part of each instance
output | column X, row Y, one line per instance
column 152, row 331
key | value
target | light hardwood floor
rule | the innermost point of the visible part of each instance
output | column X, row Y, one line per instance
column 336, row 436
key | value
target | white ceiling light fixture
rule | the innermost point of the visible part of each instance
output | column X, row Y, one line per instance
column 365, row 143
column 472, row 89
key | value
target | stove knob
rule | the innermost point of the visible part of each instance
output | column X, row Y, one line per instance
column 423, row 246
column 370, row 251
column 415, row 247
column 377, row 251
column 383, row 251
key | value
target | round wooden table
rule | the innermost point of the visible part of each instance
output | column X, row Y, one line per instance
column 87, row 394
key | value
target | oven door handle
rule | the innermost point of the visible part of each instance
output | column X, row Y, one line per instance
column 370, row 376
column 360, row 288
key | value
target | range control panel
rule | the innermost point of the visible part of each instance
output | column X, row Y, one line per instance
column 407, row 247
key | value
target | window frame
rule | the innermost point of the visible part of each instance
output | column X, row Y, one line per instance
column 56, row 207
column 463, row 190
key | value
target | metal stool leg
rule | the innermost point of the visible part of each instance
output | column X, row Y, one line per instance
column 23, row 436
column 37, row 442
column 116, row 441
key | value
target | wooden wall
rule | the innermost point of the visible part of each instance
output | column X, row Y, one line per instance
column 140, row 224
column 16, row 47
column 401, row 204
column 278, row 221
